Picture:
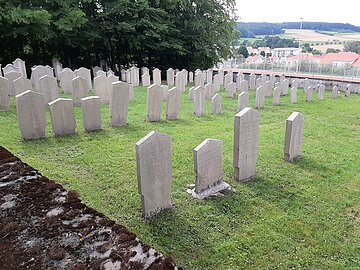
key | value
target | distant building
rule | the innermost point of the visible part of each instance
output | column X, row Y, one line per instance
column 341, row 59
column 285, row 52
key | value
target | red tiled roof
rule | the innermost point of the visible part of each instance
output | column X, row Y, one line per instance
column 305, row 56
column 341, row 57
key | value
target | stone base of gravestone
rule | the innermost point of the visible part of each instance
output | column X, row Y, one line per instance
column 218, row 190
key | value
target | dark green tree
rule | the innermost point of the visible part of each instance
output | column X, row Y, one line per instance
column 352, row 46
column 243, row 51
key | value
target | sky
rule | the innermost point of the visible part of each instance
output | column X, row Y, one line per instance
column 345, row 11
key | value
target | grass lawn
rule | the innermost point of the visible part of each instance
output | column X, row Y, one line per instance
column 304, row 215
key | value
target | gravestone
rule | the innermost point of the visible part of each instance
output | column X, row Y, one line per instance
column 91, row 113
column 216, row 104
column 307, row 84
column 49, row 88
column 57, row 66
column 154, row 103
column 216, row 84
column 4, row 94
column 66, row 77
column 85, row 73
column 20, row 64
column 110, row 73
column 209, row 76
column 252, row 81
column 21, row 85
column 276, row 96
column 293, row 137
column 165, row 90
column 259, row 82
column 123, row 75
column 12, row 76
column 80, row 89
column 173, row 103
column 145, row 80
column 31, row 114
column 102, row 88
column 62, row 116
column 285, row 87
column 119, row 103
column 268, row 89
column 208, row 91
column 208, row 165
column 191, row 77
column 321, row 92
column 144, row 70
column 170, row 79
column 309, row 92
column 243, row 100
column 246, row 138
column 199, row 101
column 157, row 76
column 221, row 76
column 335, row 92
column 191, row 93
column 11, row 68
column 154, row 173
column 293, row 95
column 260, row 97
column 100, row 73
column 295, row 83
column 227, row 80
column 95, row 71
column 244, row 86
column 180, row 81
column 231, row 90
column 348, row 90
column 199, row 81
column 39, row 71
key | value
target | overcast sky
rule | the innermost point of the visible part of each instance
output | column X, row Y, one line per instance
column 344, row 11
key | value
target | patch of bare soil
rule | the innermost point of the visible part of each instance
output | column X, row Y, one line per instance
column 42, row 226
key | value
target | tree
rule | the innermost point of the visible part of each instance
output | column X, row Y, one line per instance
column 262, row 53
column 331, row 50
column 243, row 51
column 352, row 46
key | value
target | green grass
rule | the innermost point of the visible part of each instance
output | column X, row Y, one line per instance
column 304, row 215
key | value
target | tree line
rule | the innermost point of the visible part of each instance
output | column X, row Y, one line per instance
column 154, row 33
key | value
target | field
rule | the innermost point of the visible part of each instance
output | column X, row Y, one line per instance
column 304, row 215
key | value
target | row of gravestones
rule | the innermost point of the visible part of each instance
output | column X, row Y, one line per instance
column 154, row 160
column 31, row 112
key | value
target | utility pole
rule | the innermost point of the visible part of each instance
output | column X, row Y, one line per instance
column 298, row 61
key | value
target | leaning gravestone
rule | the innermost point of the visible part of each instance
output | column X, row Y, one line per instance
column 173, row 103
column 243, row 100
column 170, row 79
column 62, row 116
column 90, row 107
column 154, row 103
column 102, row 87
column 321, row 92
column 335, row 92
column 293, row 95
column 276, row 96
column 216, row 104
column 157, row 76
column 4, row 94
column 31, row 114
column 85, row 73
column 246, row 138
column 293, row 137
column 119, row 103
column 209, row 173
column 199, row 101
column 21, row 85
column 154, row 173
column 260, row 97
column 20, row 64
column 145, row 80
column 12, row 76
column 309, row 92
column 80, row 89
column 66, row 77
column 49, row 88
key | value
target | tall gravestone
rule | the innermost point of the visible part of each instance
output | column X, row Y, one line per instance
column 227, row 80
column 145, row 80
column 154, row 173
column 285, row 87
column 157, row 76
column 49, row 88
column 309, row 92
column 216, row 104
column 165, row 89
column 173, row 100
column 321, row 92
column 231, row 90
column 260, row 97
column 102, row 88
column 293, row 95
column 216, row 84
column 252, row 81
column 199, row 81
column 244, row 86
column 62, row 116
column 170, row 79
column 246, row 138
column 31, row 114
column 39, row 71
column 180, row 81
column 243, row 100
column 276, row 96
column 12, row 76
column 91, row 113
column 268, row 89
column 348, row 90
column 80, row 89
column 191, row 77
column 20, row 64
column 66, row 77
column 208, row 91
column 4, row 94
column 85, row 73
column 221, row 76
column 21, row 85
column 154, row 103
column 199, row 101
column 335, row 92
column 293, row 137
column 119, row 103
